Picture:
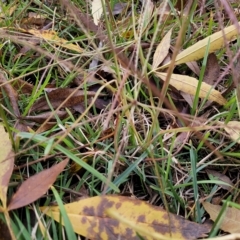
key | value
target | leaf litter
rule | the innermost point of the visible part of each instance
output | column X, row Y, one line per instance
column 69, row 97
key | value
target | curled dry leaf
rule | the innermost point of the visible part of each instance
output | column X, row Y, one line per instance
column 189, row 85
column 197, row 51
column 233, row 129
column 6, row 164
column 231, row 219
column 162, row 50
column 36, row 186
column 90, row 212
column 70, row 97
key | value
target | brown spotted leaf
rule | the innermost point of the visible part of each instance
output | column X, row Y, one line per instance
column 36, row 186
column 231, row 220
column 6, row 163
column 66, row 97
column 89, row 218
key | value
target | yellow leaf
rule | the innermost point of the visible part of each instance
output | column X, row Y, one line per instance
column 231, row 219
column 197, row 51
column 233, row 129
column 189, row 85
column 162, row 50
column 6, row 163
column 89, row 218
column 52, row 36
column 97, row 10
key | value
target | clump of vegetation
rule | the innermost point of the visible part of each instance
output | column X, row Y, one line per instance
column 119, row 119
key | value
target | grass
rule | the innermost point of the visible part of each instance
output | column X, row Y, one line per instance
column 128, row 146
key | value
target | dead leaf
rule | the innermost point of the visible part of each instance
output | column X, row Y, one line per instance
column 97, row 10
column 197, row 51
column 233, row 129
column 221, row 177
column 162, row 50
column 23, row 86
column 6, row 164
column 212, row 69
column 36, row 186
column 12, row 94
column 52, row 36
column 188, row 98
column 231, row 219
column 89, row 218
column 70, row 97
column 194, row 67
column 189, row 85
column 40, row 118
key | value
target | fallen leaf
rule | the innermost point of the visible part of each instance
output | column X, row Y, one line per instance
column 221, row 177
column 51, row 36
column 212, row 69
column 194, row 67
column 231, row 219
column 89, row 218
column 12, row 94
column 233, row 129
column 97, row 10
column 162, row 50
column 36, row 186
column 70, row 97
column 23, row 86
column 189, row 85
column 197, row 51
column 40, row 118
column 6, row 164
